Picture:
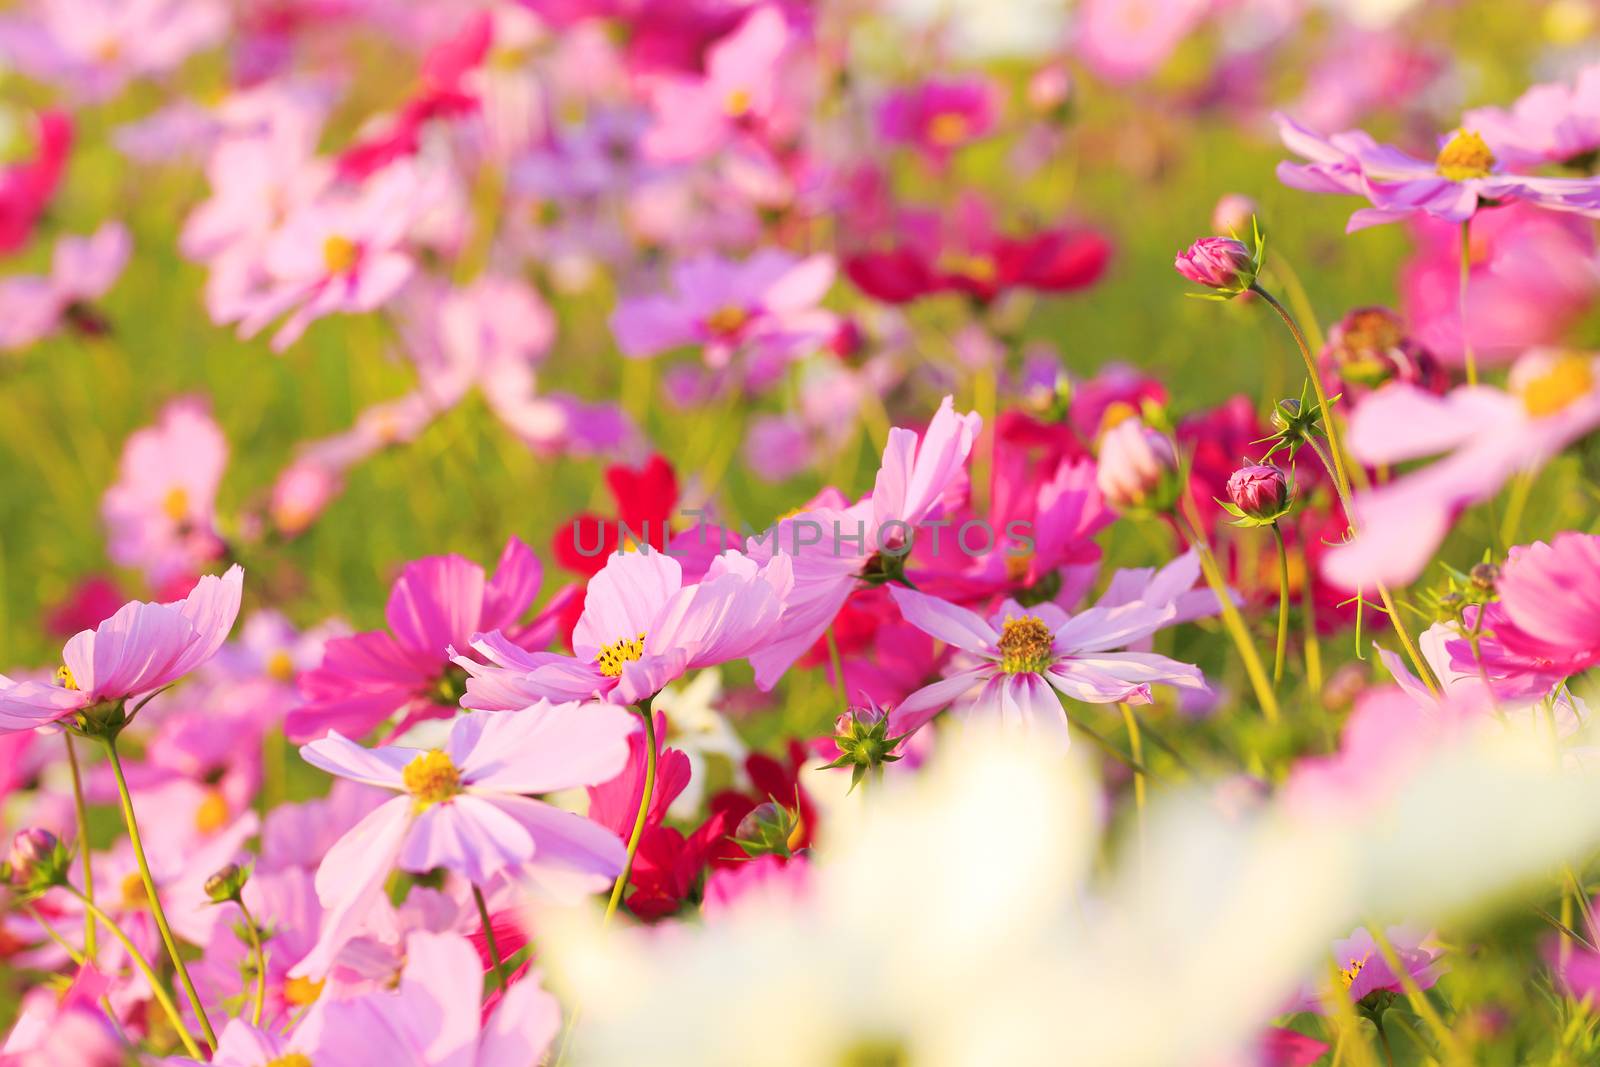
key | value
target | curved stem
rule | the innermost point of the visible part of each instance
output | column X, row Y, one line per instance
column 837, row 664
column 253, row 932
column 1466, row 273
column 157, row 989
column 1283, row 608
column 644, row 811
column 82, row 810
column 1231, row 619
column 155, row 898
column 488, row 933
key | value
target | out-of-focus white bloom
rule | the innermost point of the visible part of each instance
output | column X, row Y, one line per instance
column 985, row 29
column 1371, row 14
column 953, row 918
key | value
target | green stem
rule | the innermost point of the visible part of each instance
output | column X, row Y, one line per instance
column 253, row 932
column 156, row 909
column 1417, row 998
column 1283, row 608
column 1231, row 619
column 83, row 846
column 488, row 933
column 644, row 811
column 1466, row 273
column 156, row 987
column 1328, row 427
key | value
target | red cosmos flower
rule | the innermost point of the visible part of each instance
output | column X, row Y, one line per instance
column 440, row 95
column 966, row 254
column 646, row 498
column 25, row 188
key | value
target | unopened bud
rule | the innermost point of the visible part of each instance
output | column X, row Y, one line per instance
column 227, row 883
column 1222, row 263
column 1233, row 213
column 862, row 738
column 1260, row 493
column 1137, row 468
column 37, row 860
column 769, row 829
column 1484, row 575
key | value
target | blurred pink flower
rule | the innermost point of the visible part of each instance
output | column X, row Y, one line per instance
column 25, row 188
column 437, row 605
column 739, row 94
column 466, row 807
column 641, row 628
column 140, row 649
column 1126, row 40
column 92, row 48
column 1532, row 275
column 57, row 1027
column 1021, row 662
column 1552, row 123
column 1464, row 177
column 1363, row 969
column 769, row 302
column 1484, row 434
column 161, row 513
column 83, row 269
column 939, row 117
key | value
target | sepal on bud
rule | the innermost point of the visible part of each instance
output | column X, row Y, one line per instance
column 227, row 884
column 37, row 862
column 769, row 830
column 862, row 737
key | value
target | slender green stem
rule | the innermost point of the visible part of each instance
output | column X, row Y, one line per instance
column 156, row 909
column 1231, row 619
column 1328, row 427
column 253, row 933
column 644, row 811
column 1283, row 608
column 83, row 846
column 1466, row 273
column 1104, row 744
column 1308, row 611
column 837, row 665
column 53, row 934
column 159, row 990
column 1418, row 1000
column 488, row 934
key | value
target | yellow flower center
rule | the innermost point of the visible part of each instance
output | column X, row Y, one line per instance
column 726, row 320
column 1017, row 566
column 212, row 814
column 302, row 991
column 948, row 129
column 738, row 103
column 293, row 1059
column 1556, row 386
column 339, row 254
column 1351, row 971
column 1026, row 646
column 1464, row 156
column 431, row 778
column 612, row 657
column 133, row 894
column 176, row 503
column 64, row 677
column 979, row 268
column 280, row 667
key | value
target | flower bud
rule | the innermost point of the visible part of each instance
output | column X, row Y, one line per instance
column 227, row 883
column 1233, row 213
column 1221, row 263
column 1261, row 493
column 769, row 829
column 37, row 860
column 1484, row 576
column 1137, row 468
column 862, row 738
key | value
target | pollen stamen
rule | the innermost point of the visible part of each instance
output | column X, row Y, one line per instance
column 1026, row 646
column 614, row 656
column 431, row 778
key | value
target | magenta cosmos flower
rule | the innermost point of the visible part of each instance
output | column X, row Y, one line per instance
column 140, row 649
column 939, row 117
column 769, row 302
column 1464, row 176
column 161, row 514
column 465, row 808
column 1484, row 436
column 436, row 606
column 641, row 627
column 1546, row 624
column 1024, row 660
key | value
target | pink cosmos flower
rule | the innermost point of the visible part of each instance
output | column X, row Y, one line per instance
column 437, row 604
column 465, row 807
column 833, row 544
column 161, row 513
column 342, row 252
column 939, row 117
column 95, row 47
column 1463, row 177
column 1553, row 123
column 82, row 270
column 1363, row 969
column 140, row 649
column 1024, row 660
column 1125, row 40
column 64, row 1027
column 25, row 188
column 641, row 627
column 739, row 94
column 1484, row 434
column 1545, row 626
column 1531, row 276
column 768, row 303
